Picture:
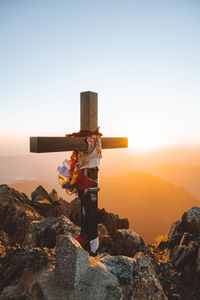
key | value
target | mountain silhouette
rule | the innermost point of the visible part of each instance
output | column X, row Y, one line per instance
column 150, row 203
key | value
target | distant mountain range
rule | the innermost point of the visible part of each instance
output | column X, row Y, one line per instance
column 150, row 203
column 151, row 190
column 180, row 175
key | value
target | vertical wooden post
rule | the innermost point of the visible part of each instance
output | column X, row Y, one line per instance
column 89, row 198
column 89, row 111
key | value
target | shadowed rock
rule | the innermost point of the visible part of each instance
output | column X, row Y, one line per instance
column 39, row 194
column 15, row 214
column 17, row 261
column 43, row 233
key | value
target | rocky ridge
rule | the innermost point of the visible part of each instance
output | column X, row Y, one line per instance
column 41, row 259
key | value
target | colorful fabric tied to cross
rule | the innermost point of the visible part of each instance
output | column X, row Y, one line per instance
column 73, row 175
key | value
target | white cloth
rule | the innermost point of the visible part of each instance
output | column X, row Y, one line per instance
column 88, row 160
column 94, row 245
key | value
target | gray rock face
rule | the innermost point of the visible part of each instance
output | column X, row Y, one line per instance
column 121, row 267
column 72, row 262
column 145, row 283
column 127, row 242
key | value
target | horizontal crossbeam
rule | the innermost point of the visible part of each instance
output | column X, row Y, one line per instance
column 58, row 144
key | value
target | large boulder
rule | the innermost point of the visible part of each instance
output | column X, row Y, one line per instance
column 15, row 213
column 146, row 285
column 49, row 205
column 136, row 276
column 72, row 262
column 127, row 242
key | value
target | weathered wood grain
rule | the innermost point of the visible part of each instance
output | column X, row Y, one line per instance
column 58, row 144
column 89, row 111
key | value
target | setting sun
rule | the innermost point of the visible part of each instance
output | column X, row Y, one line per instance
column 145, row 141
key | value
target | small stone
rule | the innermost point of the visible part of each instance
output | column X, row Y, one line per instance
column 72, row 262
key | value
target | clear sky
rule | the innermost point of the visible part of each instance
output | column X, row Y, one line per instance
column 142, row 57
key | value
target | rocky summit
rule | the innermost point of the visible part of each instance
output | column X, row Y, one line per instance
column 40, row 257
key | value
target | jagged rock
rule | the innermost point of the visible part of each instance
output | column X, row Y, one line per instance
column 15, row 213
column 48, row 205
column 121, row 267
column 187, row 256
column 174, row 228
column 43, row 206
column 43, row 233
column 127, row 242
column 53, row 196
column 145, row 283
column 186, row 238
column 39, row 194
column 30, row 273
column 21, row 263
column 191, row 221
column 136, row 276
column 174, row 242
column 59, row 207
column 111, row 221
column 72, row 261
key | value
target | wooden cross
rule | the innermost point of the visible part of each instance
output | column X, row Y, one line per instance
column 89, row 121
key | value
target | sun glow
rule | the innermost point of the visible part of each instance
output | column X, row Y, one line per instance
column 145, row 142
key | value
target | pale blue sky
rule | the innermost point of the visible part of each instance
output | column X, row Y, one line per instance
column 142, row 57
